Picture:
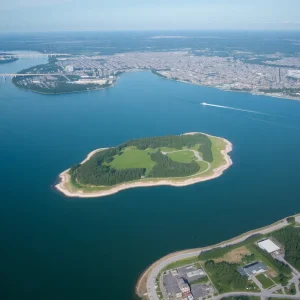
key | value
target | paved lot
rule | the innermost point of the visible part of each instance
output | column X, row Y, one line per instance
column 201, row 290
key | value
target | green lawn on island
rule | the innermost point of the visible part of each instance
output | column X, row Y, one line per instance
column 133, row 158
column 185, row 156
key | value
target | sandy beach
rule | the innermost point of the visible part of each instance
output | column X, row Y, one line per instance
column 62, row 186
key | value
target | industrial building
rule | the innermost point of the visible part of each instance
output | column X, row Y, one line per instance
column 268, row 246
column 252, row 269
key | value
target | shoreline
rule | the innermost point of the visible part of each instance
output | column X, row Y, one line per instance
column 251, row 92
column 140, row 288
column 217, row 172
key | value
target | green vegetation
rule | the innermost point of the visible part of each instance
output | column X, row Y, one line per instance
column 225, row 276
column 200, row 280
column 290, row 238
column 60, row 84
column 176, row 142
column 267, row 259
column 291, row 220
column 166, row 167
column 249, row 259
column 242, row 298
column 265, row 281
column 221, row 251
column 181, row 263
column 142, row 159
column 291, row 290
column 132, row 158
column 185, row 156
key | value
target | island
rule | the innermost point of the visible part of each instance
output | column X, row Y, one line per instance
column 7, row 58
column 52, row 78
column 175, row 160
column 260, row 264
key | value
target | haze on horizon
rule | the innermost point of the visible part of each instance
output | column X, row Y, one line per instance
column 99, row 15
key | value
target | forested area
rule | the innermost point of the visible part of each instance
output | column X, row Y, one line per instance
column 220, row 251
column 93, row 172
column 166, row 167
column 290, row 238
column 175, row 141
column 225, row 276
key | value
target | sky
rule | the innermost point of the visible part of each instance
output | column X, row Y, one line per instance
column 100, row 15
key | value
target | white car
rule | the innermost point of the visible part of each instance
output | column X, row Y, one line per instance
column 190, row 297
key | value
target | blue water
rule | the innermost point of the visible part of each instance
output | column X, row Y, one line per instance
column 52, row 247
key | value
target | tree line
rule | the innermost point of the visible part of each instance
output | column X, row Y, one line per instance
column 175, row 141
column 221, row 251
column 166, row 167
column 96, row 172
column 290, row 238
column 226, row 277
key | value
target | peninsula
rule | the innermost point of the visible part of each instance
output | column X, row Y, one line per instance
column 260, row 264
column 272, row 75
column 176, row 160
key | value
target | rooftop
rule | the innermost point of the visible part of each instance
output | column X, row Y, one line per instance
column 268, row 245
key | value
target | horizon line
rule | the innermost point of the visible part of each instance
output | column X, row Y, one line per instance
column 153, row 30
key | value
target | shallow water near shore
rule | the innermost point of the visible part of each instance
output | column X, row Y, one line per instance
column 54, row 247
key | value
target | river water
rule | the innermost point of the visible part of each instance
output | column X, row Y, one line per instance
column 53, row 247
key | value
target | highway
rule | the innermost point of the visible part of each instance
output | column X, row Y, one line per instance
column 161, row 264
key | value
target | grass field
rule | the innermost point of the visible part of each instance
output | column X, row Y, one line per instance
column 181, row 263
column 185, row 156
column 200, row 280
column 133, row 158
column 258, row 256
column 265, row 281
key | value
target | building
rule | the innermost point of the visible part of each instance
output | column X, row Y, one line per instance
column 184, row 287
column 195, row 273
column 69, row 68
column 268, row 246
column 252, row 269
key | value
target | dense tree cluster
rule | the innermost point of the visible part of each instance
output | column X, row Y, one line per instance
column 290, row 238
column 94, row 172
column 226, row 277
column 249, row 259
column 221, row 251
column 175, row 141
column 166, row 167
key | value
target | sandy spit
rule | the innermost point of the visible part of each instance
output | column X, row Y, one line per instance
column 65, row 178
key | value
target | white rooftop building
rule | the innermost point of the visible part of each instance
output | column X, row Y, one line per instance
column 268, row 246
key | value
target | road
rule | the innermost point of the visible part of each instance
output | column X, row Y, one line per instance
column 151, row 291
column 198, row 158
column 265, row 294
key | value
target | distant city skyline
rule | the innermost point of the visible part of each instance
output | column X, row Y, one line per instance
column 75, row 15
